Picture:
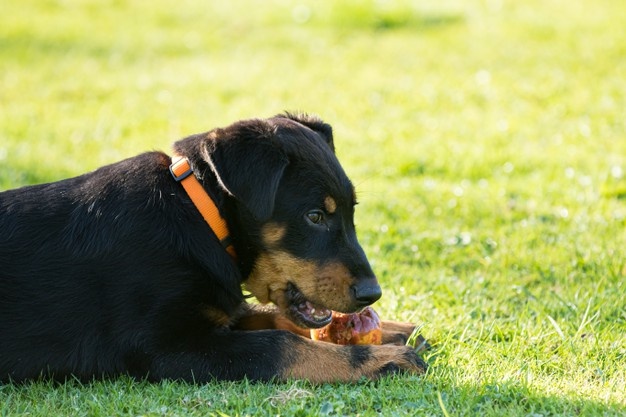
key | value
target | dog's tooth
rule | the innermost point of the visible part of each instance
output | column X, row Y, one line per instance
column 313, row 311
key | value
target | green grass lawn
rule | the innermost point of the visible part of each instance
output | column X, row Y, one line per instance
column 487, row 140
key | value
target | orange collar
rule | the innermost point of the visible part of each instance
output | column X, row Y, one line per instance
column 182, row 172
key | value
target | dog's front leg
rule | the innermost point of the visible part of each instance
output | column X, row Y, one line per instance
column 258, row 317
column 398, row 333
column 281, row 355
column 263, row 317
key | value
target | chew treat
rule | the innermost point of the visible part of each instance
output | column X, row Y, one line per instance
column 362, row 328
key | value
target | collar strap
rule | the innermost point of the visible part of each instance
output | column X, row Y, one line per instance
column 182, row 172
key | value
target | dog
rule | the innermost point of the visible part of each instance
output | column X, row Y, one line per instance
column 122, row 271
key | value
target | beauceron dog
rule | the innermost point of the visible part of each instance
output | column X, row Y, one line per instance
column 143, row 267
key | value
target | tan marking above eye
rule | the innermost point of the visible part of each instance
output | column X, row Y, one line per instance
column 330, row 205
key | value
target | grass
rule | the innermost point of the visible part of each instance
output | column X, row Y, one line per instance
column 487, row 140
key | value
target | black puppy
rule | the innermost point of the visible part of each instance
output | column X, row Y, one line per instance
column 116, row 272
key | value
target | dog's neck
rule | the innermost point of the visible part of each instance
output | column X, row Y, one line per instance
column 182, row 172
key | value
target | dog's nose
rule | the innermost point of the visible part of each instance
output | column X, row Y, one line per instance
column 366, row 293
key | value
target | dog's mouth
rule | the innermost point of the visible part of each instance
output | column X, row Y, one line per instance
column 303, row 312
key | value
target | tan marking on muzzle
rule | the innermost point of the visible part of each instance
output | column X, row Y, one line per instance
column 327, row 285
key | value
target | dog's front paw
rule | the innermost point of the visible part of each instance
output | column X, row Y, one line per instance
column 397, row 333
column 391, row 359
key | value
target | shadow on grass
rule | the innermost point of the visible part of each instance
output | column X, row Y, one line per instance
column 397, row 395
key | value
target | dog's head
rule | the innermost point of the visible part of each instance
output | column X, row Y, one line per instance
column 296, row 214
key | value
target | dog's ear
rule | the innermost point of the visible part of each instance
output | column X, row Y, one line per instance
column 314, row 123
column 248, row 163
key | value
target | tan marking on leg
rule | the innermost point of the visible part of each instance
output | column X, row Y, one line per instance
column 217, row 316
column 321, row 362
column 397, row 333
column 262, row 317
column 330, row 205
column 261, row 321
column 269, row 321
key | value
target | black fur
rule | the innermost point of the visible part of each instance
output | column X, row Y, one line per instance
column 360, row 355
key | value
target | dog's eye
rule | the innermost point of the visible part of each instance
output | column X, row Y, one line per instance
column 315, row 216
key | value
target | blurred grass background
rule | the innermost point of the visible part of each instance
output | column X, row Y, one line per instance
column 487, row 140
